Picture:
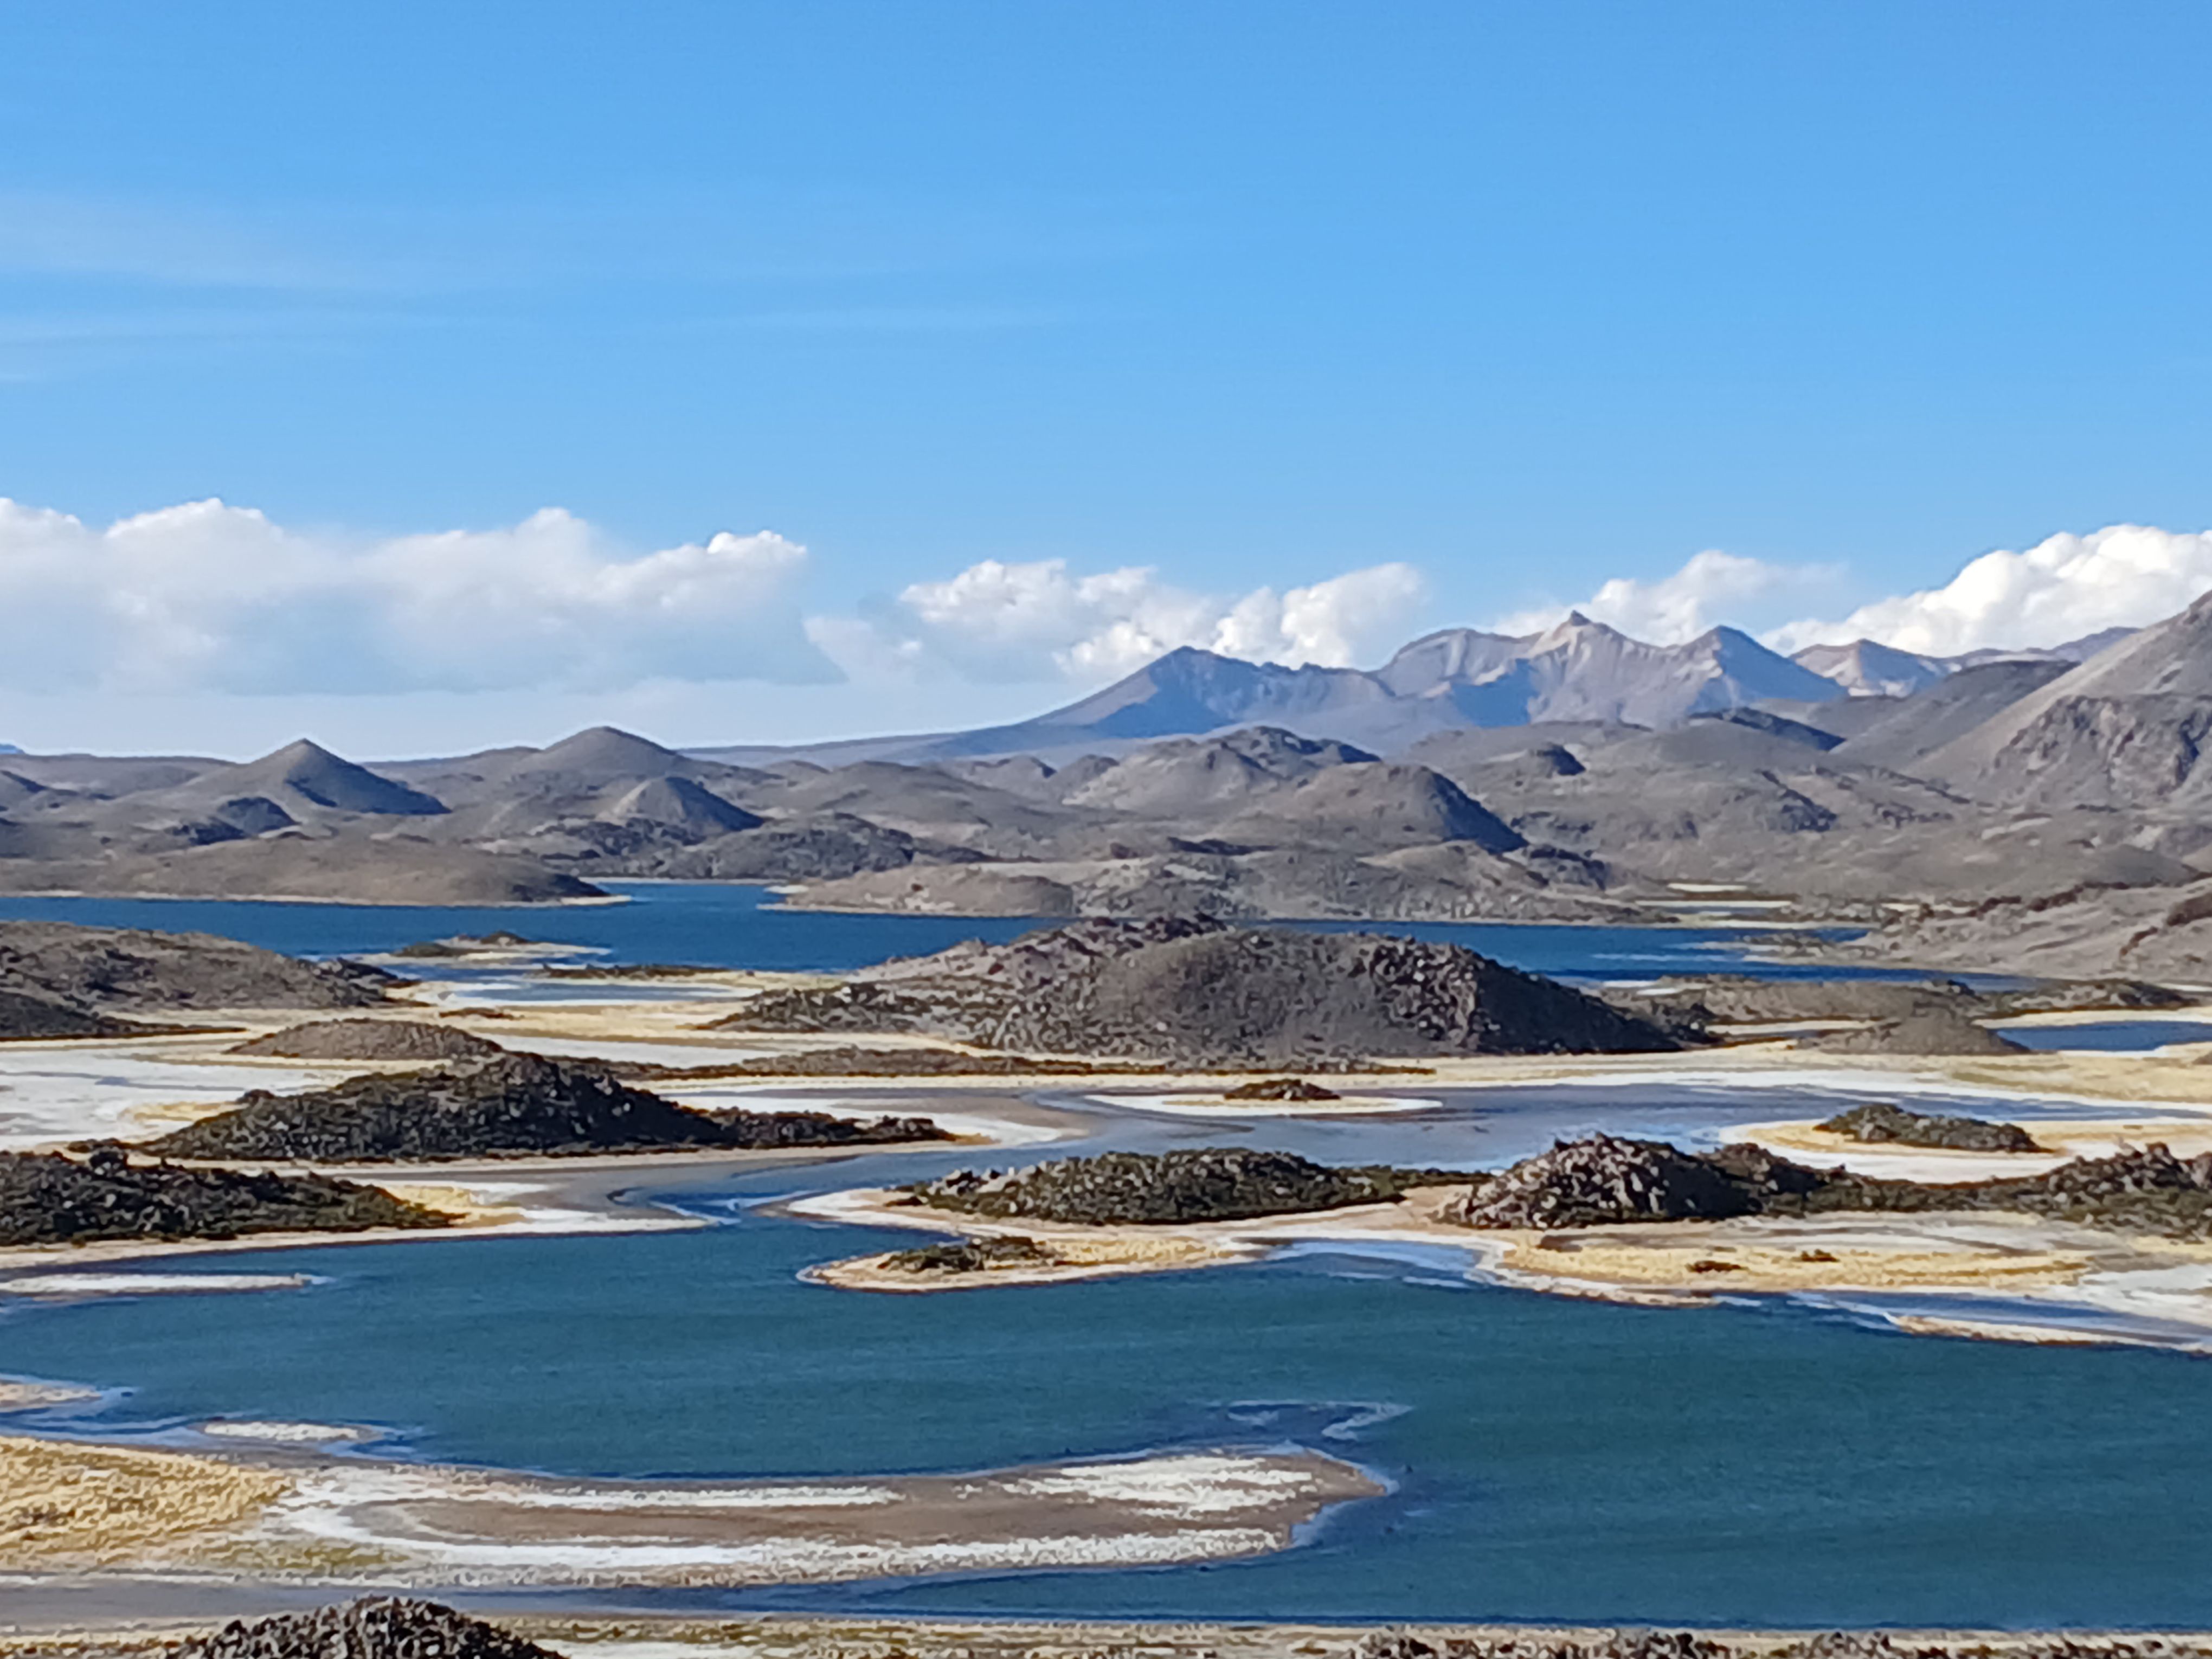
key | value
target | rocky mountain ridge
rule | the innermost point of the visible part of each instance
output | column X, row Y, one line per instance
column 1575, row 775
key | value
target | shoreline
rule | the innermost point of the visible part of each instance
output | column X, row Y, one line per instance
column 310, row 898
column 277, row 1509
column 616, row 1634
column 2029, row 1279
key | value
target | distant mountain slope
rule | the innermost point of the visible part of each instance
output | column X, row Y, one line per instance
column 1371, row 806
column 1188, row 776
column 1448, row 681
column 303, row 776
column 1868, row 669
column 1585, row 671
column 2126, row 728
column 2080, row 650
column 1920, row 725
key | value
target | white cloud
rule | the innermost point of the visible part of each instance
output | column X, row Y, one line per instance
column 1039, row 620
column 2122, row 576
column 1708, row 590
column 210, row 597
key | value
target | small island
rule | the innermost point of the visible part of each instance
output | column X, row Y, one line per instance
column 47, row 1198
column 511, row 1105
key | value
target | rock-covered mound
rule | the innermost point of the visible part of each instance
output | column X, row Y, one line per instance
column 1606, row 1179
column 1748, row 1000
column 371, row 1039
column 1690, row 1644
column 49, row 1199
column 1933, row 1032
column 34, row 1018
column 1214, row 1183
column 1881, row 1124
column 970, row 1255
column 1280, row 1088
column 110, row 967
column 513, row 1105
column 1184, row 991
column 374, row 1627
column 849, row 1060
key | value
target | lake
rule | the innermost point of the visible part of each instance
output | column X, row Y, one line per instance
column 728, row 925
column 1761, row 1463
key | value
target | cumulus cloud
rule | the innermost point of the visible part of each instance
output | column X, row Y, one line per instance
column 210, row 597
column 2123, row 576
column 2061, row 589
column 207, row 597
column 1708, row 590
column 1040, row 621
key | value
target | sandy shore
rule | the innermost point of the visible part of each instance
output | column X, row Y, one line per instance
column 2027, row 1259
column 849, row 1637
column 1079, row 1253
column 295, row 1516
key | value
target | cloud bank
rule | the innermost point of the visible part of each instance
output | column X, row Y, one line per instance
column 1710, row 588
column 1042, row 621
column 208, row 598
column 206, row 604
column 2060, row 590
column 2123, row 576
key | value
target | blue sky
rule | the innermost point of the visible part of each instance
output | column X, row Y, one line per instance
column 1525, row 298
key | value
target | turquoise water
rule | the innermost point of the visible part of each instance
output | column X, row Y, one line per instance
column 724, row 925
column 1761, row 1463
column 2112, row 1036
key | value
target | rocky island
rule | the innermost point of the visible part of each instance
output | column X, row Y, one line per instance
column 1217, row 1183
column 369, row 1039
column 511, row 1105
column 373, row 1627
column 59, row 980
column 1188, row 991
column 1885, row 1124
column 49, row 1199
column 1607, row 1180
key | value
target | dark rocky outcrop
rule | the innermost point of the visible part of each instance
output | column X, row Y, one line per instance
column 970, row 1255
column 110, row 967
column 49, row 1199
column 370, row 1039
column 1280, row 1088
column 1740, row 998
column 1883, row 1123
column 1606, row 1179
column 1188, row 991
column 857, row 1007
column 846, row 1060
column 1603, row 1180
column 510, row 1106
column 1587, row 1644
column 1214, row 1183
column 25, row 1019
column 1935, row 1031
column 1690, row 1644
column 2079, row 995
column 374, row 1627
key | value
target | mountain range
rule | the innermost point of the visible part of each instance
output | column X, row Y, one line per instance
column 1570, row 775
column 1455, row 679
